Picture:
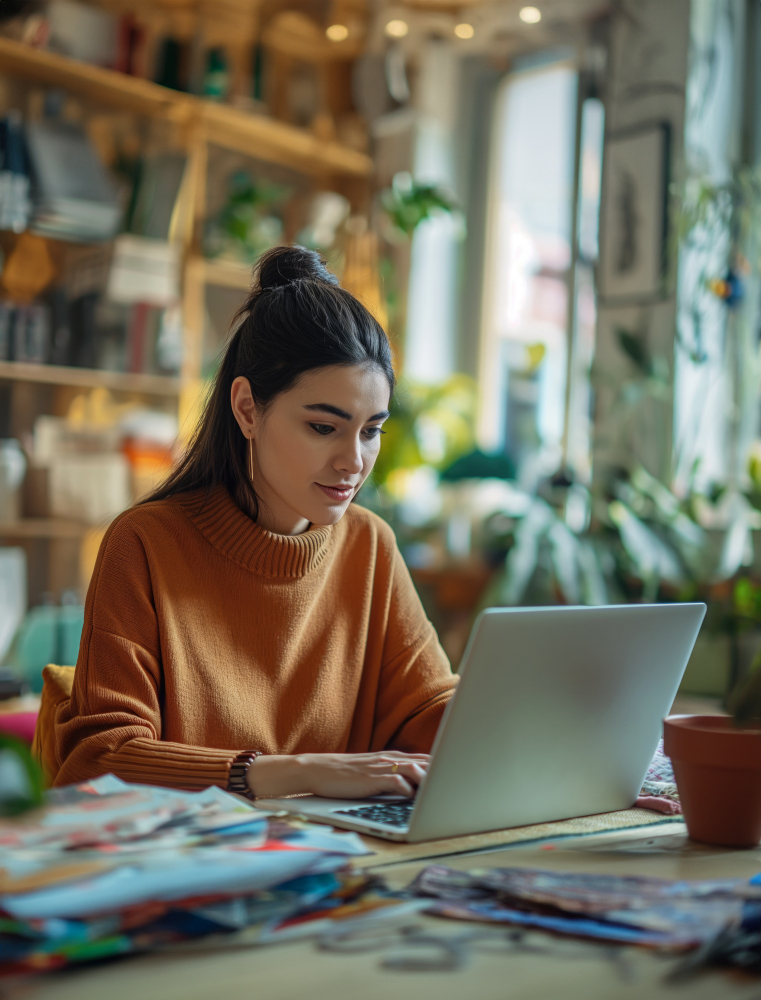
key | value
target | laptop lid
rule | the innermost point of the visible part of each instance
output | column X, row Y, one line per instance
column 558, row 714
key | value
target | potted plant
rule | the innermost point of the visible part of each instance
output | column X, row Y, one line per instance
column 717, row 767
column 21, row 784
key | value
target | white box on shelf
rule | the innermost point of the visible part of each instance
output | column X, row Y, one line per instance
column 13, row 577
column 89, row 487
column 144, row 270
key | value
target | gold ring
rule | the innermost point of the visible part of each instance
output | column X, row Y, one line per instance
column 395, row 767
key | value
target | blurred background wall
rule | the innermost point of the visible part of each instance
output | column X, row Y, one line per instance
column 553, row 209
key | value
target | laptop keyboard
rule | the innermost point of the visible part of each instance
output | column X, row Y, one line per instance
column 390, row 813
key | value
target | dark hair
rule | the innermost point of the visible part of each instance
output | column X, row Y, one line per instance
column 296, row 319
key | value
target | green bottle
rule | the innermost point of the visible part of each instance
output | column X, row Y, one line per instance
column 216, row 81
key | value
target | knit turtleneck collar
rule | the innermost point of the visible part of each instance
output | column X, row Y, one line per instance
column 224, row 524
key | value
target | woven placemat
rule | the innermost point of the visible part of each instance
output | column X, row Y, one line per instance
column 387, row 852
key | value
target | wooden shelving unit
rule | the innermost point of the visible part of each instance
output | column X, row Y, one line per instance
column 276, row 142
column 89, row 378
column 224, row 275
column 97, row 85
column 202, row 122
column 42, row 527
column 194, row 125
column 254, row 135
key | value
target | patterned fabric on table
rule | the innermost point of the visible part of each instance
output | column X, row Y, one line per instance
column 659, row 788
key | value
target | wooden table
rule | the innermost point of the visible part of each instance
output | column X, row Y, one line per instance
column 297, row 971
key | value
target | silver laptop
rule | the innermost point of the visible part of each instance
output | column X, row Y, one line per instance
column 558, row 714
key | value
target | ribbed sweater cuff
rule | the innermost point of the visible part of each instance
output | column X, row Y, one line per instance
column 154, row 762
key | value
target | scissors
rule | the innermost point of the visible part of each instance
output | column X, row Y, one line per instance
column 415, row 948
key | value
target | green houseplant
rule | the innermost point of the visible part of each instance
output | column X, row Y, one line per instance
column 717, row 760
column 21, row 783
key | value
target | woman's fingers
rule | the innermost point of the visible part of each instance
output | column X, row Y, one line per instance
column 406, row 756
column 408, row 767
column 395, row 784
column 413, row 772
column 423, row 762
column 395, row 755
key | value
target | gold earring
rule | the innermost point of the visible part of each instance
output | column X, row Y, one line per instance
column 251, row 458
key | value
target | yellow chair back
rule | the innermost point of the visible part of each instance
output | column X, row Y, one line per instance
column 57, row 685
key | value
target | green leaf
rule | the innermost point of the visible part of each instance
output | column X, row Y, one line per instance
column 22, row 786
column 745, row 701
column 408, row 203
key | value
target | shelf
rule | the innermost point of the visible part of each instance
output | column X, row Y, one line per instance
column 218, row 273
column 253, row 135
column 42, row 527
column 102, row 85
column 89, row 378
column 265, row 139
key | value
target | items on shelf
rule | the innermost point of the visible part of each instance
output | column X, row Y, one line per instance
column 82, row 31
column 84, row 333
column 144, row 271
column 156, row 193
column 12, row 471
column 98, row 460
column 48, row 634
column 172, row 64
column 15, row 701
column 74, row 198
column 29, row 268
column 15, row 200
column 97, row 308
column 31, row 334
column 216, row 81
column 90, row 487
column 362, row 267
column 78, row 470
column 60, row 327
column 148, row 444
column 169, row 342
column 249, row 223
column 13, row 579
column 130, row 47
column 25, row 21
column 327, row 212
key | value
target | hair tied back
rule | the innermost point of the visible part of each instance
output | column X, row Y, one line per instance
column 283, row 266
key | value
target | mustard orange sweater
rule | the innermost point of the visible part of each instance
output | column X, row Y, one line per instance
column 206, row 635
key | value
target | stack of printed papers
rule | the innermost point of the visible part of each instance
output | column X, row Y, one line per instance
column 108, row 868
column 653, row 912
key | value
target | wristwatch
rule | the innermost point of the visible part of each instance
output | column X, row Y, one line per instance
column 236, row 781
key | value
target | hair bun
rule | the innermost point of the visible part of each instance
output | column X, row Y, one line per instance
column 283, row 265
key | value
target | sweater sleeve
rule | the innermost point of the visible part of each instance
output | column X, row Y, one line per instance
column 416, row 679
column 112, row 722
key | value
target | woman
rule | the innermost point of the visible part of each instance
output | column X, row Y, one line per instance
column 246, row 626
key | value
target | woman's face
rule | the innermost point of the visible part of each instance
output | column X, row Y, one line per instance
column 314, row 445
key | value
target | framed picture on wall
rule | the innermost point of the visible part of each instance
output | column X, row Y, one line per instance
column 634, row 214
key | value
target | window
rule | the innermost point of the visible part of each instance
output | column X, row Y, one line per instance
column 539, row 306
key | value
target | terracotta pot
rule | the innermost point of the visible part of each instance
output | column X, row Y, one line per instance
column 718, row 774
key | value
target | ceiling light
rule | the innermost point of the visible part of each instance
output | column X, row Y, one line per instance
column 397, row 29
column 464, row 30
column 531, row 15
column 337, row 32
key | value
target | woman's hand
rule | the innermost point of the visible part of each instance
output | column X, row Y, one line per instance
column 338, row 775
